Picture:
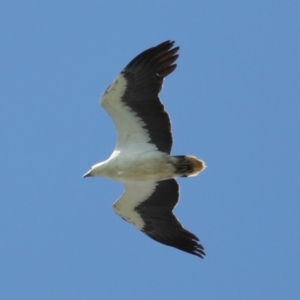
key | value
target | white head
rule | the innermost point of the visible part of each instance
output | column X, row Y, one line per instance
column 95, row 170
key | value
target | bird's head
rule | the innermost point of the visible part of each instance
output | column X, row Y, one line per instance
column 95, row 170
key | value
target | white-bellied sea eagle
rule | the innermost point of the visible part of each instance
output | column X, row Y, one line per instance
column 141, row 159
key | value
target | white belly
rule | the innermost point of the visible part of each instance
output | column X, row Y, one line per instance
column 124, row 169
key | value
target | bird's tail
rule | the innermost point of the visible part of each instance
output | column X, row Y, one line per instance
column 187, row 165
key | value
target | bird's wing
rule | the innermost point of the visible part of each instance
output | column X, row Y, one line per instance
column 149, row 205
column 133, row 103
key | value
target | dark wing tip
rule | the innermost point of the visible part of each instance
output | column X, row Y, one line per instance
column 160, row 57
column 188, row 242
column 183, row 240
column 194, row 248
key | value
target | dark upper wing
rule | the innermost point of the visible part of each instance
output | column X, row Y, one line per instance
column 161, row 225
column 148, row 206
column 133, row 103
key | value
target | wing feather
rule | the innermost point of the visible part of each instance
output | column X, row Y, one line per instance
column 133, row 103
column 149, row 205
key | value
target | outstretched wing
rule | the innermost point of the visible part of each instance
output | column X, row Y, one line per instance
column 149, row 205
column 133, row 103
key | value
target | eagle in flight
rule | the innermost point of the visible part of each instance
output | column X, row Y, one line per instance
column 141, row 159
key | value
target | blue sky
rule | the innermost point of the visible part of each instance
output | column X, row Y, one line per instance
column 234, row 102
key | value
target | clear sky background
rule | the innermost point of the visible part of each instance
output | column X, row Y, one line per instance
column 234, row 102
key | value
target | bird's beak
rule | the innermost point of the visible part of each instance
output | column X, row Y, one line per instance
column 87, row 174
